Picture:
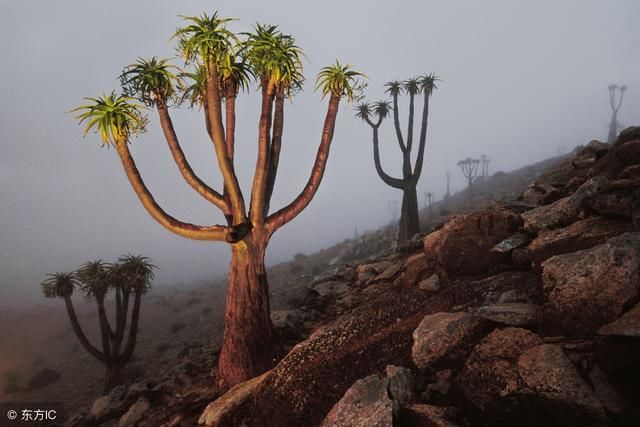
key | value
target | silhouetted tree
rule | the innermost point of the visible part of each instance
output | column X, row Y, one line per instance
column 448, row 194
column 614, row 125
column 222, row 65
column 373, row 114
column 469, row 169
column 428, row 201
column 128, row 279
column 485, row 165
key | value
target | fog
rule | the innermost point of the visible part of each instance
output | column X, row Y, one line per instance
column 521, row 81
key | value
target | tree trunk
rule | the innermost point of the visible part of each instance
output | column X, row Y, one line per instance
column 409, row 218
column 470, row 187
column 248, row 346
column 113, row 378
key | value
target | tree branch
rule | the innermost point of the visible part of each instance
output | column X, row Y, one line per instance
column 286, row 214
column 258, row 190
column 219, row 143
column 191, row 231
column 183, row 165
column 133, row 329
column 396, row 123
column 387, row 179
column 105, row 329
column 417, row 170
column 274, row 151
column 75, row 324
column 410, row 124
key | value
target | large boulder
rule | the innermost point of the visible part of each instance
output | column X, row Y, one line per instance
column 463, row 245
column 628, row 325
column 625, row 152
column 490, row 374
column 513, row 375
column 365, row 404
column 592, row 287
column 443, row 340
column 421, row 415
column 221, row 412
column 582, row 234
column 566, row 210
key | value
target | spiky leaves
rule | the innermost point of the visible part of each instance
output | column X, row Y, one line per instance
column 205, row 39
column 393, row 88
column 115, row 117
column 363, row 111
column 95, row 279
column 411, row 86
column 151, row 80
column 274, row 57
column 428, row 83
column 340, row 80
column 133, row 273
column 59, row 285
column 381, row 109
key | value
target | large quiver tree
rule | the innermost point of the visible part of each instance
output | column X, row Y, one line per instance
column 221, row 65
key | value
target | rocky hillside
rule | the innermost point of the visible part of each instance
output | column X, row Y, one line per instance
column 522, row 313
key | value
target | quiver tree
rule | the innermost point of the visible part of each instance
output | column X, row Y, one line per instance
column 484, row 160
column 221, row 64
column 469, row 168
column 614, row 125
column 128, row 279
column 448, row 193
column 374, row 114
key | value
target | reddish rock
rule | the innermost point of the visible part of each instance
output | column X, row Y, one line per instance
column 511, row 375
column 579, row 235
column 625, row 152
column 548, row 372
column 627, row 325
column 443, row 340
column 589, row 288
column 564, row 211
column 490, row 374
column 415, row 269
column 463, row 245
column 365, row 404
column 511, row 314
column 421, row 415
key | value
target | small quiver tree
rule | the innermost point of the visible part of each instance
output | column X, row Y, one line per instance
column 128, row 279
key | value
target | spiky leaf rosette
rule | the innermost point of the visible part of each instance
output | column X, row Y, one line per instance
column 205, row 39
column 151, row 80
column 340, row 80
column 115, row 117
column 59, row 285
column 95, row 279
column 133, row 273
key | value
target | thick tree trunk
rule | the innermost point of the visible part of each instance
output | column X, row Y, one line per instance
column 470, row 186
column 113, row 378
column 248, row 347
column 409, row 218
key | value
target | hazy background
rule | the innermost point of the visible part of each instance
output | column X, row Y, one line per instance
column 521, row 80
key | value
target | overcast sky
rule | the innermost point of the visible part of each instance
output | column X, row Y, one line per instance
column 519, row 80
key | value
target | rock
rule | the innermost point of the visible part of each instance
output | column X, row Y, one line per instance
column 489, row 377
column 432, row 284
column 289, row 323
column 135, row 413
column 463, row 245
column 606, row 393
column 443, row 340
column 548, row 372
column 365, row 404
column 564, row 211
column 220, row 412
column 421, row 415
column 579, row 235
column 511, row 314
column 541, row 194
column 402, row 387
column 510, row 243
column 389, row 272
column 331, row 289
column 415, row 268
column 589, row 288
column 614, row 203
column 108, row 406
column 624, row 153
column 630, row 172
column 439, row 389
column 627, row 325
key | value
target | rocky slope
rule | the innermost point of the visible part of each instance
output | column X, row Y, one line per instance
column 524, row 313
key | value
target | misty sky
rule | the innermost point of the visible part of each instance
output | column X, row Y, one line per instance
column 519, row 80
